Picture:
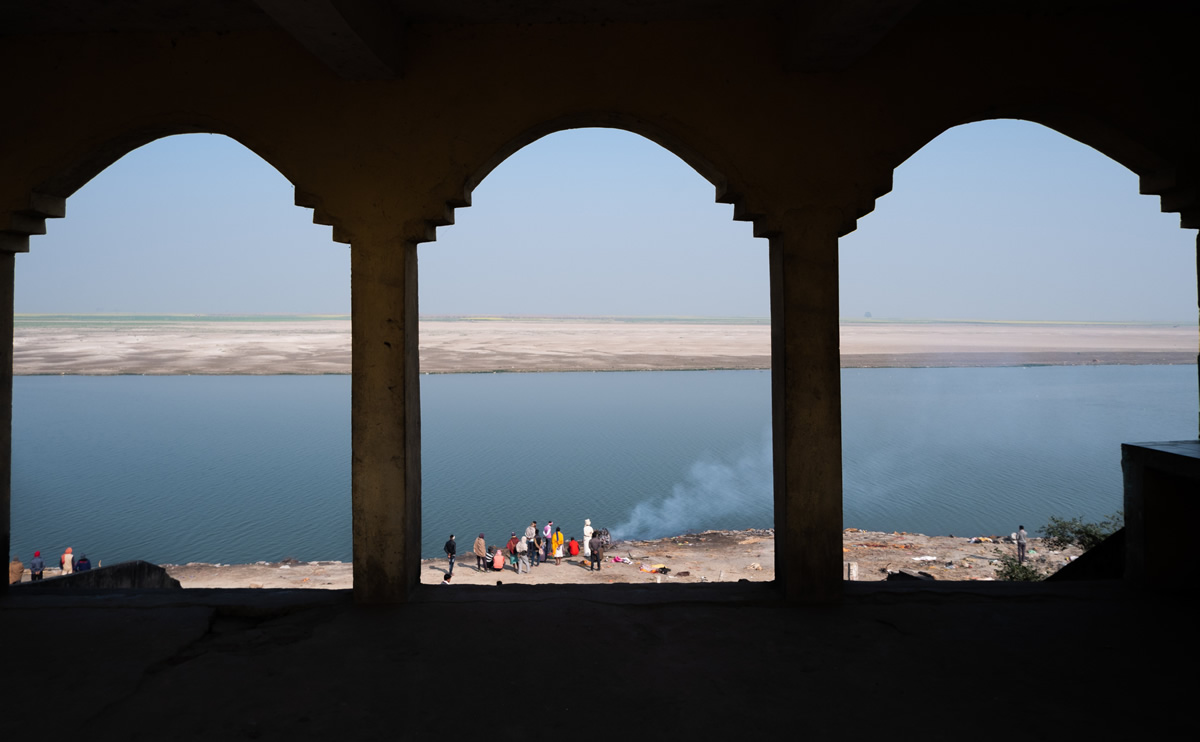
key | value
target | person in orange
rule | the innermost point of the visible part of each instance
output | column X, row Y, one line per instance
column 67, row 560
column 573, row 547
column 556, row 545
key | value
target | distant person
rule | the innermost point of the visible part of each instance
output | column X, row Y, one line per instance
column 531, row 533
column 451, row 549
column 498, row 559
column 67, row 562
column 587, row 538
column 511, row 547
column 556, row 546
column 1021, row 536
column 481, row 557
column 36, row 567
column 523, row 548
column 596, row 552
column 548, row 541
column 16, row 568
column 82, row 564
column 573, row 547
column 538, row 549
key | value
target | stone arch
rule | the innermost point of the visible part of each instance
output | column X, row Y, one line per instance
column 1159, row 173
column 1108, row 150
column 241, row 158
column 705, row 166
column 47, row 199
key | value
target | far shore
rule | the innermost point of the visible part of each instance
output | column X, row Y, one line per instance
column 183, row 345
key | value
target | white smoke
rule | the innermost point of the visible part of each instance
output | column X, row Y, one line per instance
column 714, row 494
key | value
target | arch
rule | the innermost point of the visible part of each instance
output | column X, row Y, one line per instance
column 1172, row 281
column 1159, row 173
column 602, row 120
column 654, row 201
column 204, row 169
column 47, row 199
column 692, row 156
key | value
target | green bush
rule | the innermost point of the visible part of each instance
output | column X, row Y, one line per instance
column 1013, row 571
column 1060, row 533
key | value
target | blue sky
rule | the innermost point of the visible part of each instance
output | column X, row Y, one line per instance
column 995, row 220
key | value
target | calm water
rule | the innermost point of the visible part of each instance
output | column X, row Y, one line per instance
column 240, row 469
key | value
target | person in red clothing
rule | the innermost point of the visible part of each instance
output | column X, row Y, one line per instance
column 573, row 547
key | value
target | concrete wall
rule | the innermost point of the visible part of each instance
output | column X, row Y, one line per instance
column 135, row 574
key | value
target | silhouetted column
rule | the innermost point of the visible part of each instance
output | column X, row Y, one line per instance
column 806, row 409
column 7, row 261
column 385, row 421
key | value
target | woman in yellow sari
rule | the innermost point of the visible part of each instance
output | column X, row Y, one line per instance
column 556, row 545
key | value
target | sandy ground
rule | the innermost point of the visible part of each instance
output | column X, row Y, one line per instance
column 712, row 556
column 322, row 345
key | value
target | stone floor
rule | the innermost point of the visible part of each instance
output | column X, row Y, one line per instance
column 918, row 660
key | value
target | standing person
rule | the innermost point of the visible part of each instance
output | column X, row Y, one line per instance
column 16, row 568
column 587, row 538
column 1021, row 535
column 523, row 555
column 511, row 548
column 531, row 533
column 67, row 561
column 36, row 567
column 451, row 549
column 556, row 546
column 480, row 553
column 596, row 550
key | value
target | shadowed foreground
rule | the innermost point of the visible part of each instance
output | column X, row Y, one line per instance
column 718, row 662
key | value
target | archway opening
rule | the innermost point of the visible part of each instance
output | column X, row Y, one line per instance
column 168, row 405
column 1028, row 313
column 595, row 341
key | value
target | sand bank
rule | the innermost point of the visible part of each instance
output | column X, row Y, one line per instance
column 316, row 345
column 712, row 556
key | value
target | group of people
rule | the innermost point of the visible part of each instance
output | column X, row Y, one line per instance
column 37, row 566
column 536, row 546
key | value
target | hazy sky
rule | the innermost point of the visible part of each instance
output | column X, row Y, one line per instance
column 997, row 220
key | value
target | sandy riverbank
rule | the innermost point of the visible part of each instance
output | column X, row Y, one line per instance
column 319, row 345
column 712, row 556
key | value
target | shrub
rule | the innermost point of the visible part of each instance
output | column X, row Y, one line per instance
column 1013, row 571
column 1060, row 533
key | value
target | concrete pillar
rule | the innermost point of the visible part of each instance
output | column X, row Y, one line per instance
column 7, row 261
column 806, row 409
column 385, row 420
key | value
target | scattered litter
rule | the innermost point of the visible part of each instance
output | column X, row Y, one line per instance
column 684, row 574
column 754, row 565
column 924, row 559
column 282, row 566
